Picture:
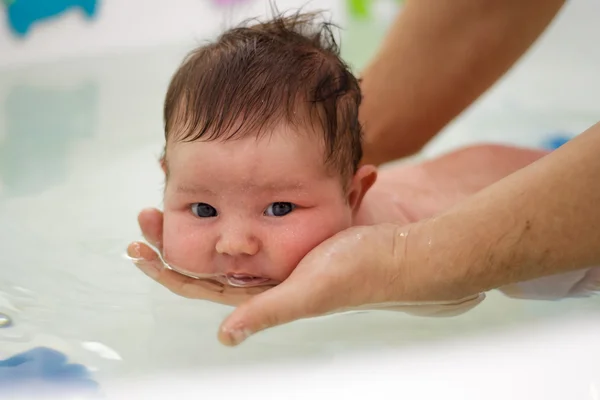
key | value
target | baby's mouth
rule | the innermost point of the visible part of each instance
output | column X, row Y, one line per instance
column 242, row 280
column 234, row 280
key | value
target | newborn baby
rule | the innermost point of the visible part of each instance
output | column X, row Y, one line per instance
column 262, row 158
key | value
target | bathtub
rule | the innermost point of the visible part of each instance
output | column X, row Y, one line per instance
column 550, row 360
column 79, row 143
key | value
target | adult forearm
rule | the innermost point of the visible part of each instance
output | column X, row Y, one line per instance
column 539, row 221
column 439, row 56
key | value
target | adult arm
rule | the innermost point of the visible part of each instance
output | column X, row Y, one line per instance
column 539, row 221
column 440, row 56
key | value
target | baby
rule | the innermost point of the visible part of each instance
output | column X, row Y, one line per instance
column 262, row 160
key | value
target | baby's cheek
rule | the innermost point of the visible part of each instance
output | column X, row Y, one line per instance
column 291, row 246
column 183, row 248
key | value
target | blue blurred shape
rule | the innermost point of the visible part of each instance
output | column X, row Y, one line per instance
column 22, row 14
column 556, row 140
column 43, row 368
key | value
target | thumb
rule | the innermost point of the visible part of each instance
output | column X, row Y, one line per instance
column 291, row 300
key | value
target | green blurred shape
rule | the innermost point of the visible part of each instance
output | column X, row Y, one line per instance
column 361, row 9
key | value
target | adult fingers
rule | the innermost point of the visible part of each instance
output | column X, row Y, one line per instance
column 296, row 298
column 146, row 259
column 150, row 263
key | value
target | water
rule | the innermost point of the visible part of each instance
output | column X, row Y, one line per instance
column 79, row 147
column 5, row 321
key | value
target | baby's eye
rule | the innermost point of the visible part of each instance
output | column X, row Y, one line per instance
column 204, row 210
column 279, row 209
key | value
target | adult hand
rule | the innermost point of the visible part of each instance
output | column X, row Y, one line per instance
column 324, row 274
column 331, row 278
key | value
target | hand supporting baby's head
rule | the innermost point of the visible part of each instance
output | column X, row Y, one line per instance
column 262, row 151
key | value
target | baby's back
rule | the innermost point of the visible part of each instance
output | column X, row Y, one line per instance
column 406, row 193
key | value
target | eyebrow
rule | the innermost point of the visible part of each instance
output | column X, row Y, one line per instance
column 272, row 187
column 196, row 189
column 282, row 186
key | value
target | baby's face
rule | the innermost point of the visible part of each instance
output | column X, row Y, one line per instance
column 250, row 208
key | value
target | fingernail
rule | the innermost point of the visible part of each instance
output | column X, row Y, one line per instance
column 134, row 251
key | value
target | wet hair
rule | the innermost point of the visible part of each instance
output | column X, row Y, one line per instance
column 260, row 75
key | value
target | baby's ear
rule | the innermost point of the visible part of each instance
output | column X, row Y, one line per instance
column 362, row 181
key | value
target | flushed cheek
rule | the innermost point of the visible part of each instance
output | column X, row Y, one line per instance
column 185, row 248
column 288, row 247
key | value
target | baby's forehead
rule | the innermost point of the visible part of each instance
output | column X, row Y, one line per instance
column 212, row 175
column 289, row 153
column 246, row 169
column 296, row 141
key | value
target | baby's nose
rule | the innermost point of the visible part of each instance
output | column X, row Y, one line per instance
column 237, row 242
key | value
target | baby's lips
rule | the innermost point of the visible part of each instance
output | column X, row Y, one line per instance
column 222, row 276
column 246, row 280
